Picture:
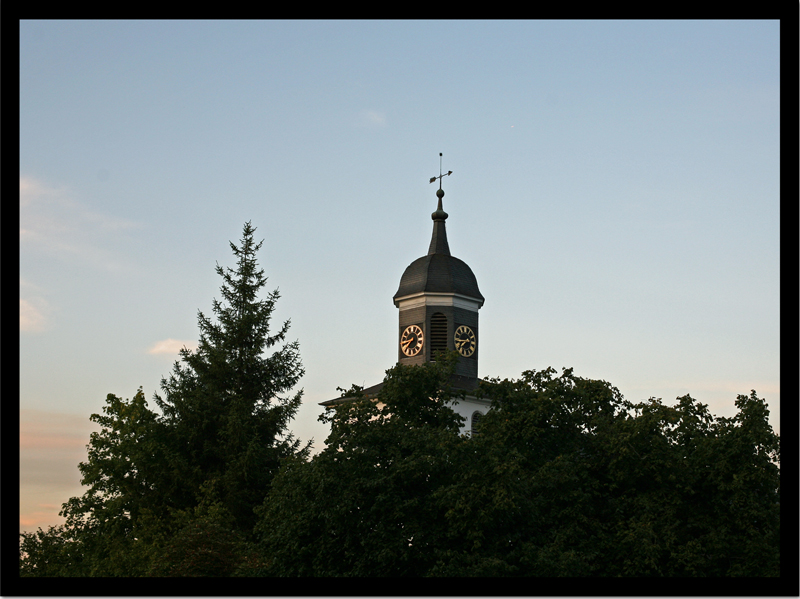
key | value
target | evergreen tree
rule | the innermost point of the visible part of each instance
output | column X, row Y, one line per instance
column 225, row 405
column 174, row 493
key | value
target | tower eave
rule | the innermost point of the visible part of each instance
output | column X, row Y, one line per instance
column 433, row 298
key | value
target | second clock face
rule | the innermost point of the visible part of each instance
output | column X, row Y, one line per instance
column 465, row 341
column 411, row 340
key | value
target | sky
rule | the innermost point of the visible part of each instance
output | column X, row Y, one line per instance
column 615, row 190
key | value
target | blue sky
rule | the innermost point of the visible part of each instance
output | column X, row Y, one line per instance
column 615, row 190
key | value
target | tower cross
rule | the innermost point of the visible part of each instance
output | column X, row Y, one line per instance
column 440, row 173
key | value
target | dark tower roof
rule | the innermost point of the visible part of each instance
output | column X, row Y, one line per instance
column 439, row 272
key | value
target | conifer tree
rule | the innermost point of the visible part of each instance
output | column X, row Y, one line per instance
column 166, row 488
column 226, row 402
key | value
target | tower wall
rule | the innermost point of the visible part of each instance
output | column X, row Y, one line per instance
column 421, row 312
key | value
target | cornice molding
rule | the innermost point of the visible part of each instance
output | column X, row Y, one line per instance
column 429, row 298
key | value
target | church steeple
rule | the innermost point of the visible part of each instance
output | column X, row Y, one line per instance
column 438, row 299
column 439, row 238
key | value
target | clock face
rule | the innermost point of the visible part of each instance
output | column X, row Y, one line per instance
column 411, row 340
column 465, row 341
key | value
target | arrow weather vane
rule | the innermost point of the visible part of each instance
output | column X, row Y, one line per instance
column 440, row 173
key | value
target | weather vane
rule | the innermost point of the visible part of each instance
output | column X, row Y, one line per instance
column 440, row 172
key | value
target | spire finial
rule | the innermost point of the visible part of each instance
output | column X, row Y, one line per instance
column 440, row 214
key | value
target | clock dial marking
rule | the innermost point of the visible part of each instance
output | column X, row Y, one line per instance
column 465, row 341
column 411, row 340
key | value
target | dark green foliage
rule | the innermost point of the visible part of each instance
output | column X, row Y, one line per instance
column 174, row 493
column 566, row 478
column 127, row 487
column 224, row 404
column 201, row 548
column 362, row 506
column 50, row 553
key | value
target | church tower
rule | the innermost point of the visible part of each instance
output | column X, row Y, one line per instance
column 439, row 299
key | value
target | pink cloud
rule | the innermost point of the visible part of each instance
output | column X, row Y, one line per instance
column 170, row 346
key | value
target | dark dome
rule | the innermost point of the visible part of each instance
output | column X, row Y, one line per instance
column 438, row 273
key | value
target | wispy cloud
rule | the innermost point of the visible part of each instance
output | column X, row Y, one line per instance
column 40, row 429
column 373, row 118
column 170, row 346
column 31, row 317
column 34, row 310
column 53, row 222
column 30, row 188
column 40, row 518
column 51, row 445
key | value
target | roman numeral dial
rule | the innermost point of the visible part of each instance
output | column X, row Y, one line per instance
column 411, row 340
column 465, row 341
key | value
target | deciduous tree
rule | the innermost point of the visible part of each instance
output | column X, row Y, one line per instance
column 362, row 507
column 565, row 478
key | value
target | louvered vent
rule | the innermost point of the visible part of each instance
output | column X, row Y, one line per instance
column 438, row 335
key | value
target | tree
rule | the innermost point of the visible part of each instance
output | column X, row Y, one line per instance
column 104, row 530
column 224, row 404
column 203, row 464
column 50, row 553
column 565, row 478
column 593, row 485
column 361, row 507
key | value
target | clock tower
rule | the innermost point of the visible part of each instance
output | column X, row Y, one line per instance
column 438, row 299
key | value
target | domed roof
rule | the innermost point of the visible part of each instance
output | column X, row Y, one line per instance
column 438, row 272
